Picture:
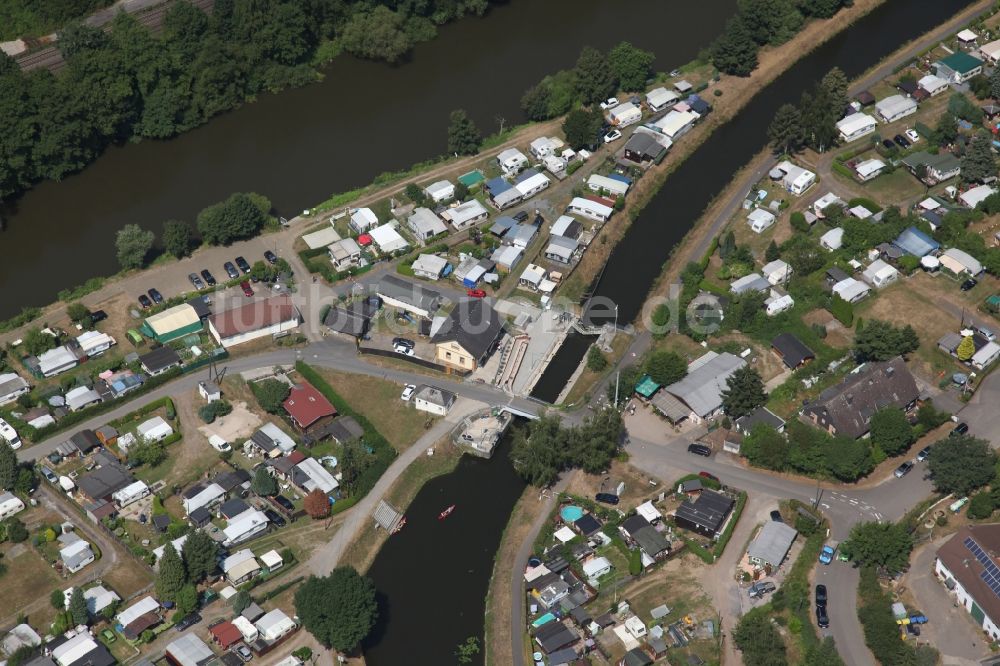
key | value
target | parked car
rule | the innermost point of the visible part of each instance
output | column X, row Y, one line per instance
column 969, row 284
column 826, row 555
column 888, row 144
column 821, row 617
column 987, row 333
column 208, row 278
column 776, row 516
column 270, row 257
column 243, row 264
column 901, row 141
column 243, row 652
column 402, row 349
column 109, row 636
column 188, row 621
column 609, row 103
column 960, row 429
column 699, row 450
column 48, row 474
column 98, row 316
column 821, row 595
column 274, row 517
column 144, row 301
column 521, row 216
column 912, row 135
column 407, row 392
column 612, row 136
column 903, row 469
column 706, row 475
column 231, row 270
column 196, row 281
column 761, row 588
column 607, row 498
column 283, row 502
column 155, row 294
column 219, row 444
column 476, row 293
column 924, row 454
column 403, row 342
column 247, row 289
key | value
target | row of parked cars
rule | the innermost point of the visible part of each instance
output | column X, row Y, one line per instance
column 206, row 279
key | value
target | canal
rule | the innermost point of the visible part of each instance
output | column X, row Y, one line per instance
column 433, row 576
column 637, row 261
column 300, row 146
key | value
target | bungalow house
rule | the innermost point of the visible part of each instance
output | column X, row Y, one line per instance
column 851, row 290
column 966, row 566
column 143, row 614
column 832, row 239
column 81, row 649
column 624, row 115
column 958, row 262
column 307, row 408
column 12, row 385
column 846, row 409
column 202, row 496
column 95, row 343
column 433, row 400
column 352, row 320
column 643, row 146
column 855, row 126
column 57, row 360
column 511, row 161
column 590, row 209
column 188, row 650
column 160, row 360
column 760, row 416
column 895, row 107
column 660, row 98
column 615, row 187
column 98, row 598
column 257, row 319
column 544, row 146
column 172, row 323
column 976, row 195
column 429, row 266
column 103, row 482
column 81, row 397
column 595, row 568
column 467, row 214
column 271, row 441
column 363, row 219
column 440, row 191
column 468, row 335
column 749, row 283
column 958, row 67
column 869, row 169
column 409, row 296
column 240, row 567
column 916, row 243
column 776, row 272
column 502, row 194
column 425, row 224
column 638, row 531
column 76, row 555
column 936, row 168
column 986, row 356
column 933, row 85
column 561, row 249
column 155, row 429
column 824, row 202
column 244, row 527
column 344, row 254
column 771, row 545
column 760, row 219
column 879, row 274
column 275, row 624
column 701, row 390
column 532, row 277
column 705, row 514
column 310, row 475
column 792, row 351
column 507, row 257
column 387, row 239
column 471, row 270
column 522, row 235
column 675, row 124
column 528, row 184
column 794, row 178
column 991, row 51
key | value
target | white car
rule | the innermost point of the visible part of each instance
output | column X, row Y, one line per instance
column 610, row 103
column 407, row 392
column 613, row 135
column 404, row 350
column 219, row 444
column 912, row 135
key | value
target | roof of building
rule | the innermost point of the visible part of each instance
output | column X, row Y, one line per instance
column 708, row 510
column 144, row 605
column 255, row 316
column 961, row 62
column 553, row 636
column 345, row 428
column 396, row 288
column 81, row 650
column 104, row 481
column 849, row 406
column 159, row 358
column 971, row 557
column 306, row 405
column 650, row 540
column 761, row 415
column 311, row 475
column 226, row 634
column 99, row 598
column 793, row 351
column 701, row 390
column 474, row 325
column 587, row 524
column 172, row 319
column 968, row 262
column 915, row 242
column 189, row 650
column 772, row 543
column 435, row 396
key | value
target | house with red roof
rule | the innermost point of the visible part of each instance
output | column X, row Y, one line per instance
column 226, row 634
column 308, row 408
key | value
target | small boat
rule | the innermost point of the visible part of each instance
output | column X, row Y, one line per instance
column 400, row 525
column 447, row 512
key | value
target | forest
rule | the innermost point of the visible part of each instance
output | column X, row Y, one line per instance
column 122, row 83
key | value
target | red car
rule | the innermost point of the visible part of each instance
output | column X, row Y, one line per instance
column 706, row 475
column 247, row 289
column 476, row 293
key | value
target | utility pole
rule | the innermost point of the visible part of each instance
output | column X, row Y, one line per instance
column 618, row 377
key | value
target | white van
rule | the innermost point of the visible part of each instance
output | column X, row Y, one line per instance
column 9, row 435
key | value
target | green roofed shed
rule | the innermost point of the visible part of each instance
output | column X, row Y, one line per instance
column 647, row 387
column 471, row 178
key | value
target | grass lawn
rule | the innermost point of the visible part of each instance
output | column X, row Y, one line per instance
column 378, row 401
column 28, row 576
column 127, row 576
column 895, row 187
column 584, row 384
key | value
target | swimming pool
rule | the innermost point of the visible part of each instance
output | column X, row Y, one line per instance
column 571, row 513
column 545, row 619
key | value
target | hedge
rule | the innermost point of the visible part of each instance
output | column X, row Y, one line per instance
column 727, row 534
column 841, row 169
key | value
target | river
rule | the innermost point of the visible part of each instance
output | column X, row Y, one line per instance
column 300, row 146
column 433, row 576
column 637, row 261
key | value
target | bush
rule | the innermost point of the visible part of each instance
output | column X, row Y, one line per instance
column 981, row 506
column 596, row 360
column 798, row 221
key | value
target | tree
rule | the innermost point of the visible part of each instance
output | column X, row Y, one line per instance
column 881, row 341
column 823, row 654
column 77, row 312
column 772, row 252
column 981, row 506
column 339, row 610
column 771, row 21
column 758, row 639
column 821, row 9
column 415, row 194
column 177, row 238
column 766, row 447
column 834, row 84
column 535, row 102
column 666, row 367
column 946, row 131
column 133, row 244
column 8, row 468
column 36, row 342
column 966, row 348
column 581, row 127
column 727, row 246
column 890, row 431
column 263, row 483
column 237, row 218
column 170, row 576
column 595, row 80
column 57, row 599
column 200, row 555
column 270, row 394
column 213, row 410
column 744, row 392
column 596, row 361
column 241, row 600
column 26, row 481
column 995, row 84
column 467, row 651
column 317, row 504
column 978, row 163
column 960, row 464
column 961, row 107
column 464, row 137
column 148, row 453
column 78, row 607
column 631, row 66
column 885, row 545
column 16, row 531
column 785, row 131
column 186, row 600
column 849, row 459
column 379, row 34
column 461, row 191
column 735, row 51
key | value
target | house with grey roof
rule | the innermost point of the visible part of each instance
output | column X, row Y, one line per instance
column 434, row 400
column 468, row 335
column 12, row 385
column 701, row 390
column 409, row 296
column 771, row 545
column 749, row 283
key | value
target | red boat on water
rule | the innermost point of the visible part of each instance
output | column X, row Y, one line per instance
column 447, row 512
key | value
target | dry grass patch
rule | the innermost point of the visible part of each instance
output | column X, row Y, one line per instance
column 127, row 576
column 638, row 486
column 836, row 334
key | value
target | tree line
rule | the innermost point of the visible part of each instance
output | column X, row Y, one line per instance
column 547, row 447
column 125, row 84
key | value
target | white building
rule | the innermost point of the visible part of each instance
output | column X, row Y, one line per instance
column 247, row 525
column 530, row 186
column 833, row 239
column 76, row 555
column 274, row 625
column 130, row 493
column 855, row 126
column 363, row 219
column 976, row 195
column 81, row 397
column 554, row 164
column 660, row 98
column 425, row 224
column 869, row 169
column 796, row 179
column 625, row 114
column 824, row 202
column 879, row 274
column 760, row 219
column 851, row 290
column 613, row 186
column 439, row 191
column 311, row 475
column 429, row 266
column 57, row 360
column 675, row 124
column 95, row 343
column 532, row 277
column 344, row 254
column 99, row 597
column 12, row 386
column 544, row 146
column 590, row 209
column 934, row 85
column 387, row 239
column 154, row 430
column 240, row 567
column 776, row 272
column 895, row 107
column 207, row 496
column 467, row 214
column 434, row 400
column 596, row 567
column 257, row 319
column 10, row 504
column 511, row 161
